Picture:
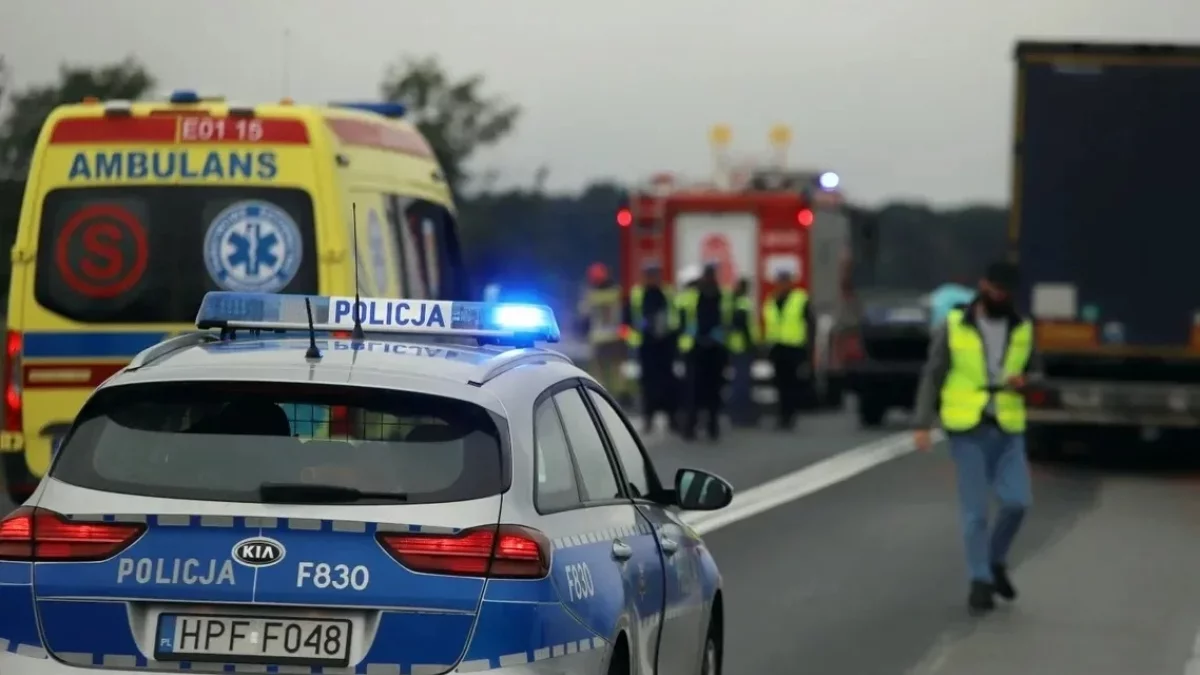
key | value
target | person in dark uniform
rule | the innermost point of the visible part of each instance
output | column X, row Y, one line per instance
column 787, row 324
column 743, row 347
column 651, row 321
column 704, row 319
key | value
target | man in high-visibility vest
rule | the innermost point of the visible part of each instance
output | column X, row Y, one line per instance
column 601, row 312
column 743, row 348
column 787, row 325
column 977, row 367
column 704, row 320
column 650, row 324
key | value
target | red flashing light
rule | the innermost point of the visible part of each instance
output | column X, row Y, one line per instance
column 624, row 217
column 520, row 552
column 32, row 534
column 804, row 217
column 13, row 373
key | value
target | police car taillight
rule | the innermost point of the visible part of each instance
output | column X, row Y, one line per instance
column 520, row 552
column 33, row 534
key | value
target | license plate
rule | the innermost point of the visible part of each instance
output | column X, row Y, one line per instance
column 195, row 637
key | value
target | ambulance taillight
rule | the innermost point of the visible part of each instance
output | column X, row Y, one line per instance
column 804, row 217
column 624, row 217
column 13, row 352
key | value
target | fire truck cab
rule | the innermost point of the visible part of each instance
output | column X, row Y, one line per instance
column 772, row 221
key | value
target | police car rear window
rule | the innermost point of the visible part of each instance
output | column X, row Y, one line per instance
column 148, row 254
column 221, row 441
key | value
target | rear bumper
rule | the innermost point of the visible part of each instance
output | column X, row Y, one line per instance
column 1088, row 403
column 582, row 662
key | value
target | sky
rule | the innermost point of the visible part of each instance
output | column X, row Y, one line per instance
column 905, row 100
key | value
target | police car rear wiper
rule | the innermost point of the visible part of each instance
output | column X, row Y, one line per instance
column 304, row 493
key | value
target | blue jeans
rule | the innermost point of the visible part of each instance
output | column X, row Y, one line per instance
column 989, row 461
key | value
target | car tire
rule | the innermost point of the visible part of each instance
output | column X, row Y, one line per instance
column 871, row 412
column 620, row 659
column 710, row 663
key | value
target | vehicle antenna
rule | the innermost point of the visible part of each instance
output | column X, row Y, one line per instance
column 313, row 352
column 357, row 332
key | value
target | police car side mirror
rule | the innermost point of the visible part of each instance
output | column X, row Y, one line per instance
column 697, row 490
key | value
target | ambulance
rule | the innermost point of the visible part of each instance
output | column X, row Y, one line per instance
column 133, row 211
column 752, row 228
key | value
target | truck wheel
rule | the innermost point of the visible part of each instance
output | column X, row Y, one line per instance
column 871, row 412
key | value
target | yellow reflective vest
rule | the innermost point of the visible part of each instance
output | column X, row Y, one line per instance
column 740, row 340
column 687, row 302
column 633, row 337
column 786, row 327
column 603, row 309
column 965, row 390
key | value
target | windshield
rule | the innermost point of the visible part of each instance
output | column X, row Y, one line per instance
column 148, row 254
column 222, row 441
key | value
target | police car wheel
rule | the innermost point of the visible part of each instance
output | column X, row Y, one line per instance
column 619, row 665
column 712, row 657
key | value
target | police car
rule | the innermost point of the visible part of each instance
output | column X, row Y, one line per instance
column 283, row 492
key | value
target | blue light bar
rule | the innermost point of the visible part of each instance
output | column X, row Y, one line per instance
column 184, row 96
column 393, row 110
column 269, row 311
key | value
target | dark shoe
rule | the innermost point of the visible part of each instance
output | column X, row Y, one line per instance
column 980, row 601
column 1002, row 584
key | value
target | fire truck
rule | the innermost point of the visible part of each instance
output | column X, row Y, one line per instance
column 769, row 221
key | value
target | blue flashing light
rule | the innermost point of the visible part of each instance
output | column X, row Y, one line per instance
column 829, row 180
column 392, row 110
column 516, row 322
column 184, row 96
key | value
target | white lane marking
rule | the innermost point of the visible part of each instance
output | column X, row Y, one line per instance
column 1192, row 667
column 935, row 660
column 805, row 481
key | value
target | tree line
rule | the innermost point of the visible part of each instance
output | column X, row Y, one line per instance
column 522, row 235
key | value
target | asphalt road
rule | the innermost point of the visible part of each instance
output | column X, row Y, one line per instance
column 866, row 576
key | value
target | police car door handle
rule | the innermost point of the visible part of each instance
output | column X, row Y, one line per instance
column 668, row 546
column 621, row 550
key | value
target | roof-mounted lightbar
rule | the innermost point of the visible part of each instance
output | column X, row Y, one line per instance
column 497, row 322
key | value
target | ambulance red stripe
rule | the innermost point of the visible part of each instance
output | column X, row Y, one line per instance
column 74, row 375
column 166, row 129
column 114, row 130
column 380, row 136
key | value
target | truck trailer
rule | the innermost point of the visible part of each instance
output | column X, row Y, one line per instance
column 1104, row 192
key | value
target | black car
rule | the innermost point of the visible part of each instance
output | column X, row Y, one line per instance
column 892, row 339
